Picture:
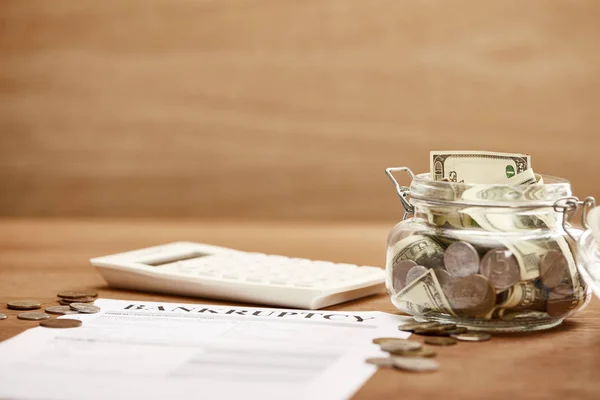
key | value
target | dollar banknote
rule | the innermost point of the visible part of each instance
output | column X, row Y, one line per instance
column 422, row 296
column 477, row 166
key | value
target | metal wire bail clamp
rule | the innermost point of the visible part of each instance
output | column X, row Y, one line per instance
column 403, row 191
column 568, row 206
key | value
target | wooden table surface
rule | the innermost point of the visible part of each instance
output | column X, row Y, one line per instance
column 38, row 258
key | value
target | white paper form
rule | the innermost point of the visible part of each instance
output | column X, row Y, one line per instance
column 151, row 350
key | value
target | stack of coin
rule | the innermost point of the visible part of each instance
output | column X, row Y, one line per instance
column 71, row 302
column 410, row 355
column 67, row 297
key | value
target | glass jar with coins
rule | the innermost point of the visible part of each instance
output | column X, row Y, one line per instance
column 493, row 257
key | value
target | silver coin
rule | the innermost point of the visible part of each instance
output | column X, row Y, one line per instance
column 84, row 308
column 472, row 336
column 501, row 267
column 400, row 269
column 554, row 268
column 461, row 259
column 442, row 276
column 415, row 364
column 33, row 316
column 381, row 361
column 415, row 273
column 399, row 345
column 60, row 310
column 3, row 316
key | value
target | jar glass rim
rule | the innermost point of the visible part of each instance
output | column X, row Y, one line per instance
column 423, row 189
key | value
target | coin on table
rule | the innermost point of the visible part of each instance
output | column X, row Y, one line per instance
column 422, row 352
column 461, row 259
column 456, row 331
column 472, row 296
column 415, row 364
column 411, row 326
column 74, row 294
column 3, row 316
column 501, row 267
column 399, row 345
column 61, row 323
column 553, row 268
column 380, row 361
column 415, row 272
column 24, row 305
column 60, row 310
column 385, row 339
column 439, row 330
column 400, row 269
column 33, row 316
column 67, row 300
column 84, row 308
column 440, row 341
column 473, row 336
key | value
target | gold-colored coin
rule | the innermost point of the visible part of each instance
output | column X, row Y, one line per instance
column 33, row 316
column 438, row 330
column 385, row 339
column 75, row 294
column 440, row 341
column 411, row 326
column 69, row 300
column 24, row 305
column 61, row 323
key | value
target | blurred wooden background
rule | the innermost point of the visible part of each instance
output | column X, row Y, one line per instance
column 280, row 109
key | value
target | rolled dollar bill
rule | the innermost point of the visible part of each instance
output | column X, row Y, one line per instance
column 422, row 296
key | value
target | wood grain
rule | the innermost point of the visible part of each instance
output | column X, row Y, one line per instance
column 38, row 258
column 281, row 109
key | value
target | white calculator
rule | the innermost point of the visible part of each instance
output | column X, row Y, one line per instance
column 201, row 270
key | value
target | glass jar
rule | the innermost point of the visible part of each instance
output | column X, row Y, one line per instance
column 487, row 257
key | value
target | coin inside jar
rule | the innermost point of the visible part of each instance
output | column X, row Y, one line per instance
column 553, row 268
column 501, row 267
column 400, row 270
column 414, row 273
column 461, row 259
column 472, row 296
column 442, row 276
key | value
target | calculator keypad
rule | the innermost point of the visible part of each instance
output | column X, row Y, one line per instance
column 256, row 268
